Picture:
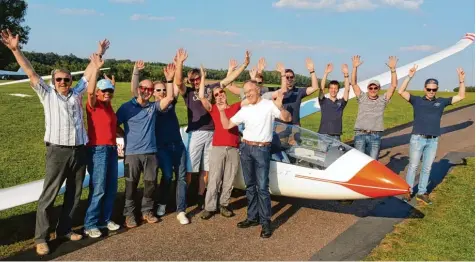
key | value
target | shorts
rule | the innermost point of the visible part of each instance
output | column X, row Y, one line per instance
column 199, row 144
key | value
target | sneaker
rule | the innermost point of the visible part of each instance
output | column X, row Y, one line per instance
column 407, row 197
column 424, row 198
column 131, row 222
column 182, row 218
column 206, row 214
column 149, row 217
column 226, row 211
column 93, row 232
column 42, row 249
column 73, row 236
column 161, row 210
column 112, row 226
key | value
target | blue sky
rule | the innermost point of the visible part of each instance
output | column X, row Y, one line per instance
column 288, row 31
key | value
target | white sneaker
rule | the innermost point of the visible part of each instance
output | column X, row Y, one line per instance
column 112, row 226
column 161, row 210
column 182, row 218
column 93, row 233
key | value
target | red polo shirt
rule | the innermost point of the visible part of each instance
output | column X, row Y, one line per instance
column 221, row 136
column 101, row 124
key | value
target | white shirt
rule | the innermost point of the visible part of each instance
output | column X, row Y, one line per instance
column 64, row 123
column 258, row 120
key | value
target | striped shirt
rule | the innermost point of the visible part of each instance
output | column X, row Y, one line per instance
column 370, row 114
column 64, row 123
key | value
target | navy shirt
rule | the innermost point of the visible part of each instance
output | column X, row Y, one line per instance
column 427, row 114
column 292, row 103
column 331, row 116
column 167, row 128
column 198, row 116
column 139, row 126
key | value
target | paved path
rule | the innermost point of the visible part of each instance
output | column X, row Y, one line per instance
column 303, row 227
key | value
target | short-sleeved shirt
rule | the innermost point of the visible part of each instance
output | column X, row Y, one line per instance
column 139, row 126
column 167, row 128
column 370, row 114
column 64, row 123
column 427, row 114
column 292, row 103
column 331, row 116
column 221, row 136
column 198, row 117
column 258, row 119
column 102, row 124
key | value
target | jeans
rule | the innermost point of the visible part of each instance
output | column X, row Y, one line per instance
column 172, row 158
column 325, row 141
column 102, row 169
column 425, row 149
column 255, row 161
column 368, row 143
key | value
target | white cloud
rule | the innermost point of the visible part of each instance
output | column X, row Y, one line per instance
column 74, row 11
column 208, row 32
column 347, row 5
column 267, row 44
column 424, row 48
column 136, row 17
column 127, row 1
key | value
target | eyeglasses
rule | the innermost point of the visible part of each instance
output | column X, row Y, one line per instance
column 160, row 90
column 109, row 90
column 289, row 77
column 66, row 80
column 194, row 79
column 145, row 88
column 219, row 93
column 431, row 89
column 373, row 88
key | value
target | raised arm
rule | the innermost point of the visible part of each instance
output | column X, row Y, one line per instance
column 12, row 42
column 345, row 71
column 392, row 64
column 237, row 72
column 96, row 63
column 461, row 91
column 355, row 63
column 169, row 72
column 232, row 87
column 102, row 47
column 327, row 71
column 314, row 83
column 284, row 114
column 284, row 86
column 201, row 91
column 180, row 57
column 138, row 66
column 402, row 90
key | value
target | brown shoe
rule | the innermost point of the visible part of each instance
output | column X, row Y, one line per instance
column 149, row 217
column 42, row 249
column 131, row 222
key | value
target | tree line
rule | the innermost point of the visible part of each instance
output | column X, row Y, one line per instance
column 44, row 63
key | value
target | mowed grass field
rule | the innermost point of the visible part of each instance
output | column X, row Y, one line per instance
column 22, row 154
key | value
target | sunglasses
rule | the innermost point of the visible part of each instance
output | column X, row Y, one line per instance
column 289, row 77
column 373, row 88
column 66, row 80
column 219, row 93
column 160, row 90
column 431, row 89
column 194, row 79
column 109, row 90
column 148, row 89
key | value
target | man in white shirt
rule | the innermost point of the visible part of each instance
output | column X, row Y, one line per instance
column 255, row 151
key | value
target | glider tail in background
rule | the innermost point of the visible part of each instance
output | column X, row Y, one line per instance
column 312, row 105
column 44, row 77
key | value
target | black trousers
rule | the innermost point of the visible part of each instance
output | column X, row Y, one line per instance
column 62, row 163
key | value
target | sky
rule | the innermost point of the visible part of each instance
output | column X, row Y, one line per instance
column 287, row 31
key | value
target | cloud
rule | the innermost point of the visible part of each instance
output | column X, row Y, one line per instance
column 127, row 1
column 208, row 32
column 136, row 17
column 74, row 11
column 423, row 48
column 347, row 5
column 268, row 44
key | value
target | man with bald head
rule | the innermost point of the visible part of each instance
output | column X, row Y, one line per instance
column 138, row 116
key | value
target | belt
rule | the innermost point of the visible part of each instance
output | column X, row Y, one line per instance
column 427, row 136
column 61, row 146
column 368, row 131
column 251, row 143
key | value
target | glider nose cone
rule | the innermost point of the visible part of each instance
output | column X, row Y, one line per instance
column 377, row 180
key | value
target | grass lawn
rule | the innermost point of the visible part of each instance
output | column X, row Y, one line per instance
column 447, row 230
column 22, row 156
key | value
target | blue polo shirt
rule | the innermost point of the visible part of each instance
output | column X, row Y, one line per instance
column 167, row 128
column 331, row 116
column 427, row 114
column 292, row 103
column 139, row 126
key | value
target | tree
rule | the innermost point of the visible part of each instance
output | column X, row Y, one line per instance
column 11, row 16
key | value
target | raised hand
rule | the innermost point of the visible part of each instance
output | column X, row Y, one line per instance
column 9, row 40
column 169, row 71
column 103, row 46
column 232, row 64
column 345, row 69
column 261, row 64
column 247, row 57
column 203, row 72
column 392, row 62
column 96, row 60
column 139, row 64
column 309, row 64
column 356, row 61
column 412, row 71
column 253, row 71
column 279, row 98
column 113, row 80
column 460, row 74
column 280, row 68
column 181, row 55
column 329, row 68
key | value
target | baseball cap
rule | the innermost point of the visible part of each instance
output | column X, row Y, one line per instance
column 104, row 84
column 374, row 82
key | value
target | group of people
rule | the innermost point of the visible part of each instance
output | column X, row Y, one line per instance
column 215, row 148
